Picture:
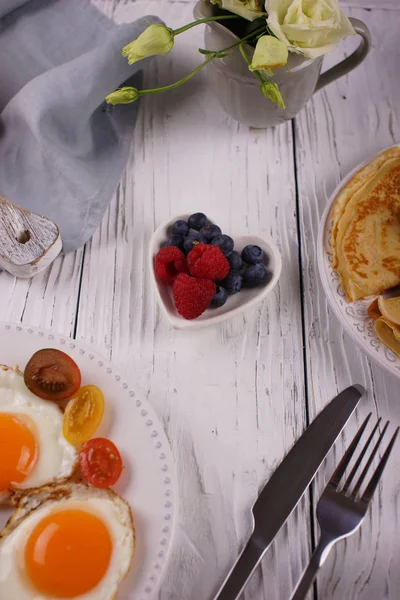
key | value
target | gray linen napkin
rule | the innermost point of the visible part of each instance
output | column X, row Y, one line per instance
column 62, row 152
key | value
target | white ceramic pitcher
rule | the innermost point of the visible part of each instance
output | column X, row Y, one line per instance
column 238, row 90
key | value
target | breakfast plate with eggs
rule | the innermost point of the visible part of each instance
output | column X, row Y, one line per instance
column 359, row 257
column 87, row 482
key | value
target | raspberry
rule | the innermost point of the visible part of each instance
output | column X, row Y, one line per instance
column 169, row 262
column 192, row 296
column 208, row 262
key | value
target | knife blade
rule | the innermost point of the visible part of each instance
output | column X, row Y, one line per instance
column 287, row 484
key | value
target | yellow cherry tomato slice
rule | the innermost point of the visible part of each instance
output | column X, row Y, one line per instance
column 83, row 414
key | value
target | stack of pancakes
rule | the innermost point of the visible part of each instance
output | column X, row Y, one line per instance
column 366, row 232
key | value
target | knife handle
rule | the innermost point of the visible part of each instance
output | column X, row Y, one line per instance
column 241, row 571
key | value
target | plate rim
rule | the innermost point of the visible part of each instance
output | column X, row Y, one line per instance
column 152, row 584
column 321, row 261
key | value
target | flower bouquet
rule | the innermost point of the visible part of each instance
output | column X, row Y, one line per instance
column 267, row 31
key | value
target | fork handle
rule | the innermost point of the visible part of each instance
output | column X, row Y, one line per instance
column 317, row 559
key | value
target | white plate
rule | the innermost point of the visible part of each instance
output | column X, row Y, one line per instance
column 236, row 304
column 352, row 315
column 148, row 482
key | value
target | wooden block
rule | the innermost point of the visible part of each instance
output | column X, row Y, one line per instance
column 28, row 242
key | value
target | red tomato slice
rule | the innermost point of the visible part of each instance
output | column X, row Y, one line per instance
column 52, row 375
column 100, row 462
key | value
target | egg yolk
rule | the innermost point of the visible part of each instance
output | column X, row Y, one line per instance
column 18, row 451
column 68, row 553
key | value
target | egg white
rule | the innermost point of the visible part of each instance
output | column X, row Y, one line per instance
column 57, row 458
column 115, row 513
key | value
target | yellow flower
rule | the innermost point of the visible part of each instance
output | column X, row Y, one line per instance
column 156, row 39
column 270, row 53
column 124, row 95
column 271, row 91
column 248, row 9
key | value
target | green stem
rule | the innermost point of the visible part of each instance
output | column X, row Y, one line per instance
column 205, row 20
column 248, row 61
column 172, row 86
column 214, row 54
column 243, row 53
column 239, row 42
column 260, row 77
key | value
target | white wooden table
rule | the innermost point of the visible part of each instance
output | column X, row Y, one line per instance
column 233, row 399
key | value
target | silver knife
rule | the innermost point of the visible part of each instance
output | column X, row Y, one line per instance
column 287, row 484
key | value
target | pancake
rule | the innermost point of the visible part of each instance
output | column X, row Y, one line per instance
column 366, row 233
column 356, row 183
column 390, row 308
column 373, row 310
column 387, row 333
column 386, row 330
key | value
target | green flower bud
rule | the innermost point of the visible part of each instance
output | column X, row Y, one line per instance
column 270, row 53
column 124, row 95
column 156, row 39
column 271, row 91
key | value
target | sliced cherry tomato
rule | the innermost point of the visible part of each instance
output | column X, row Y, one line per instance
column 52, row 375
column 83, row 414
column 100, row 462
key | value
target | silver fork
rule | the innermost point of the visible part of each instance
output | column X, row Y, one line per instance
column 340, row 513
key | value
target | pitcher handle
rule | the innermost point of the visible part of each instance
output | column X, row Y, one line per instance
column 352, row 61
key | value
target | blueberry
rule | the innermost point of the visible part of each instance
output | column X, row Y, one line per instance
column 175, row 240
column 255, row 275
column 232, row 282
column 197, row 221
column 235, row 260
column 191, row 240
column 220, row 297
column 252, row 254
column 210, row 231
column 224, row 242
column 180, row 228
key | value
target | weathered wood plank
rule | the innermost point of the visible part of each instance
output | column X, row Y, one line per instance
column 47, row 300
column 374, row 4
column 340, row 127
column 231, row 397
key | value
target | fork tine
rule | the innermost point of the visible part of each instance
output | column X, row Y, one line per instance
column 370, row 489
column 359, row 459
column 369, row 462
column 340, row 469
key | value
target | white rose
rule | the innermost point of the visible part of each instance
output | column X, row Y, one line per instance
column 309, row 27
column 249, row 9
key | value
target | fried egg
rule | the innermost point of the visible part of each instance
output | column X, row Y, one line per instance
column 33, row 450
column 66, row 541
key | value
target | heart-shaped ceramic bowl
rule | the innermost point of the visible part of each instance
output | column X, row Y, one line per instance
column 237, row 303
